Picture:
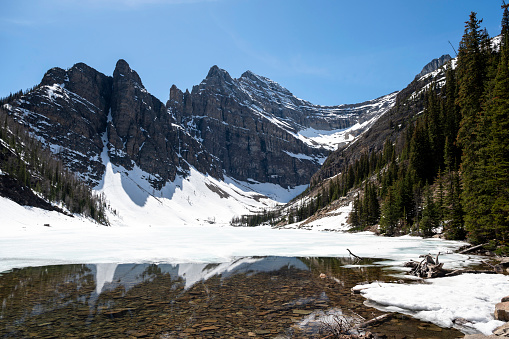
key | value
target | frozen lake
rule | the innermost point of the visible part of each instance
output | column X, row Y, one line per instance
column 213, row 250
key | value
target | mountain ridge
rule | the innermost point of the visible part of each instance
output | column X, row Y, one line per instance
column 249, row 129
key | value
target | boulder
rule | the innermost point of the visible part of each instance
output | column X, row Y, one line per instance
column 502, row 331
column 502, row 311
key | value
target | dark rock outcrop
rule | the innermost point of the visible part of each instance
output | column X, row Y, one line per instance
column 248, row 145
column 67, row 111
column 78, row 112
column 252, row 124
column 247, row 128
column 142, row 133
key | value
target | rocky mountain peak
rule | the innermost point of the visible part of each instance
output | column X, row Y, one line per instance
column 217, row 79
column 433, row 65
column 215, row 72
column 56, row 75
column 251, row 81
column 245, row 128
column 249, row 75
column 124, row 71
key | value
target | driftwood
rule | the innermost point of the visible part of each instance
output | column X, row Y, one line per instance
column 345, row 329
column 427, row 268
column 353, row 255
column 376, row 320
column 473, row 248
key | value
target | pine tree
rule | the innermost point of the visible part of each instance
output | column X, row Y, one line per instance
column 497, row 123
column 471, row 77
column 430, row 215
column 390, row 215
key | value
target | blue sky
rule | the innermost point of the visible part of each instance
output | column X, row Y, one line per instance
column 325, row 51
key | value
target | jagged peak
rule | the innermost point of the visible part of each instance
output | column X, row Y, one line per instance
column 217, row 79
column 122, row 65
column 216, row 72
column 55, row 75
column 122, row 69
column 264, row 82
column 249, row 74
column 81, row 66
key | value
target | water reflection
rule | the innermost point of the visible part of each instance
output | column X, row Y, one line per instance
column 265, row 297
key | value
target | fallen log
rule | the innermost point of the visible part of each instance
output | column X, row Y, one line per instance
column 431, row 268
column 427, row 268
column 473, row 248
column 350, row 332
column 376, row 320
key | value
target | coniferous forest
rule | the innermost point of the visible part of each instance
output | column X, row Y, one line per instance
column 31, row 175
column 448, row 171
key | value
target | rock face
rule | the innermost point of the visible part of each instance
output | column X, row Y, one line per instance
column 142, row 133
column 247, row 128
column 252, row 124
column 433, row 65
column 67, row 111
column 79, row 113
column 502, row 311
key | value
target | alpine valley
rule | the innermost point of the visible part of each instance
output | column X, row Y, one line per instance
column 125, row 216
column 245, row 151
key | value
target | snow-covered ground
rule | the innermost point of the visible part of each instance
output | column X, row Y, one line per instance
column 25, row 241
column 466, row 302
column 188, row 222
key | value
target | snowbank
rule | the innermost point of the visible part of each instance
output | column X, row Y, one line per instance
column 467, row 297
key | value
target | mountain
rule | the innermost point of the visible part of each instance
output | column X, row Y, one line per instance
column 434, row 65
column 79, row 112
column 30, row 175
column 339, row 182
column 249, row 129
column 426, row 167
column 409, row 103
column 260, row 131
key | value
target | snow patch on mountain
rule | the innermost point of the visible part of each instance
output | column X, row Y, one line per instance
column 332, row 139
column 194, row 199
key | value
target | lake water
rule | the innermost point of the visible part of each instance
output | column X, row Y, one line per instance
column 264, row 297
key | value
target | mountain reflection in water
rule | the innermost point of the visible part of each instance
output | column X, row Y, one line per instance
column 266, row 297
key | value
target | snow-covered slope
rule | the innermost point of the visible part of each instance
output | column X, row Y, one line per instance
column 192, row 200
column 333, row 139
